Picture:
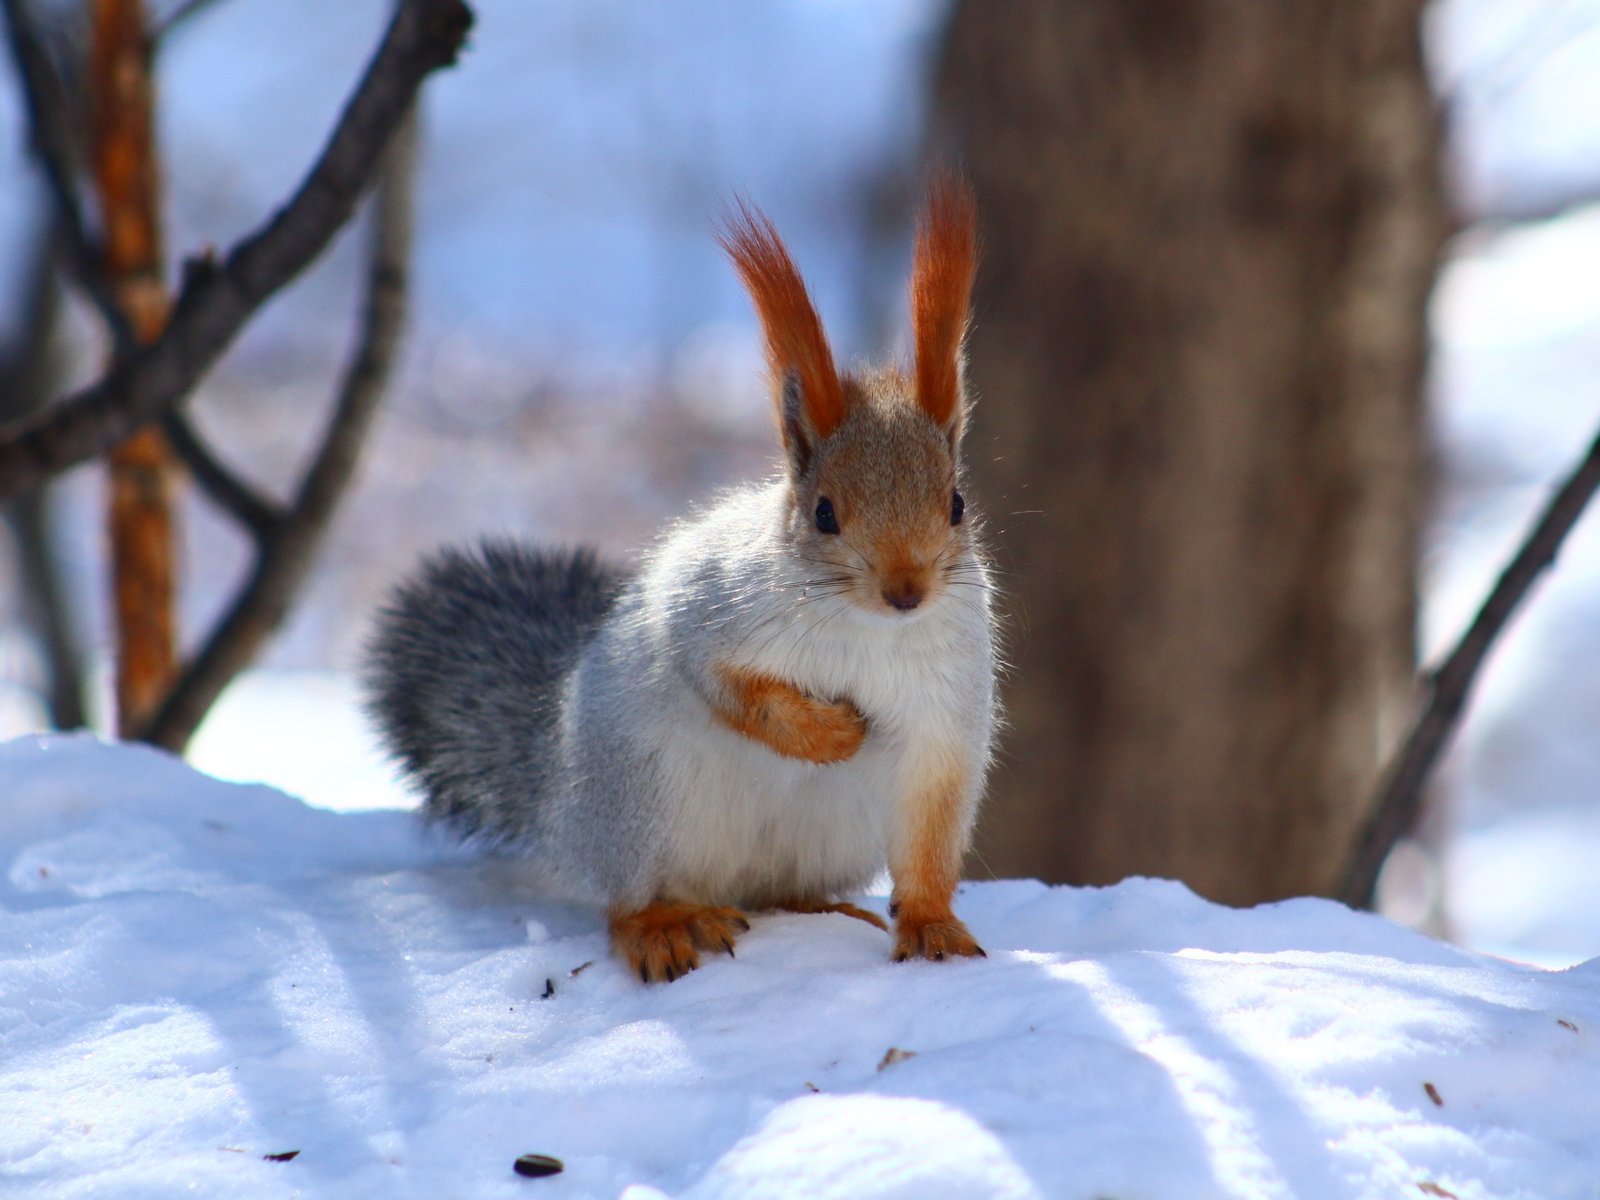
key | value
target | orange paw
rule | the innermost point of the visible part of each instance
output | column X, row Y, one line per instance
column 794, row 723
column 662, row 941
column 831, row 732
column 936, row 939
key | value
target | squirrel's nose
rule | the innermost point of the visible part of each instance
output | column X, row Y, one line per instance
column 904, row 597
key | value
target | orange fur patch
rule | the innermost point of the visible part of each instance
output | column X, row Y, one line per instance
column 823, row 906
column 663, row 940
column 943, row 265
column 925, row 882
column 782, row 717
column 789, row 321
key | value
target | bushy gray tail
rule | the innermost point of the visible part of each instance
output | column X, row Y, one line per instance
column 464, row 677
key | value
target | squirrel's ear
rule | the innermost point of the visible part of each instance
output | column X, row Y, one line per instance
column 811, row 397
column 942, row 268
column 799, row 440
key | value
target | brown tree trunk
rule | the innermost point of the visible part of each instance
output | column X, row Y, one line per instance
column 1211, row 227
column 143, row 547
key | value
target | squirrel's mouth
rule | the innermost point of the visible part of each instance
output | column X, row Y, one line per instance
column 888, row 611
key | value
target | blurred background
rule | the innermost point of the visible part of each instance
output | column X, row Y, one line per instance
column 1286, row 327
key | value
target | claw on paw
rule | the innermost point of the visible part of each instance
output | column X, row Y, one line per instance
column 663, row 940
column 934, row 939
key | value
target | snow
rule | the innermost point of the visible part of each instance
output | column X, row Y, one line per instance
column 197, row 974
column 336, row 760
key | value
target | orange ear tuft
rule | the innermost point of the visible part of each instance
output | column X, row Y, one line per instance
column 943, row 264
column 795, row 341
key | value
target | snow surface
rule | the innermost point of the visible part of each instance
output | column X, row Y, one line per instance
column 195, row 975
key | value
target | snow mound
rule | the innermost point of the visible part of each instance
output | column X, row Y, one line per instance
column 197, row 975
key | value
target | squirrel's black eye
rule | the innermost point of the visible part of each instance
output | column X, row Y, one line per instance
column 826, row 521
column 957, row 507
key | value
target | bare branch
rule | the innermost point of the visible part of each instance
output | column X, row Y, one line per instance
column 224, row 486
column 54, row 141
column 1399, row 799
column 362, row 388
column 285, row 554
column 28, row 368
column 218, row 298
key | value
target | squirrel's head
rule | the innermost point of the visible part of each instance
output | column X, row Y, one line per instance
column 874, row 458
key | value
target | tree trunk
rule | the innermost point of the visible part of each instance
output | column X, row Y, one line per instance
column 140, row 518
column 1211, row 227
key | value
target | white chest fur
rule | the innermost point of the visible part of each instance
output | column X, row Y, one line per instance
column 757, row 828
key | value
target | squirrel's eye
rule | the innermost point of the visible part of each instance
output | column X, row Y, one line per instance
column 957, row 507
column 826, row 521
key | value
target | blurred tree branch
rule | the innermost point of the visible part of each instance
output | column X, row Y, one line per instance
column 28, row 370
column 54, row 141
column 287, row 540
column 1398, row 803
column 218, row 297
column 221, row 484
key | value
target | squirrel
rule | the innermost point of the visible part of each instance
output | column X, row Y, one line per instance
column 796, row 686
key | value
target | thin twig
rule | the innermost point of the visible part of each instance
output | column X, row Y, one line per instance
column 225, row 487
column 1398, row 802
column 54, row 143
column 285, row 555
column 218, row 298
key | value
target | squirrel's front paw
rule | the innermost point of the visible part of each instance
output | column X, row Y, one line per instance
column 836, row 731
column 794, row 723
column 662, row 941
column 936, row 939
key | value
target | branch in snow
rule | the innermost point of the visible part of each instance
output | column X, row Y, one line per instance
column 286, row 542
column 1399, row 800
column 217, row 298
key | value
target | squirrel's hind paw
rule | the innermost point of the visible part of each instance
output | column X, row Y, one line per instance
column 663, row 940
column 936, row 940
